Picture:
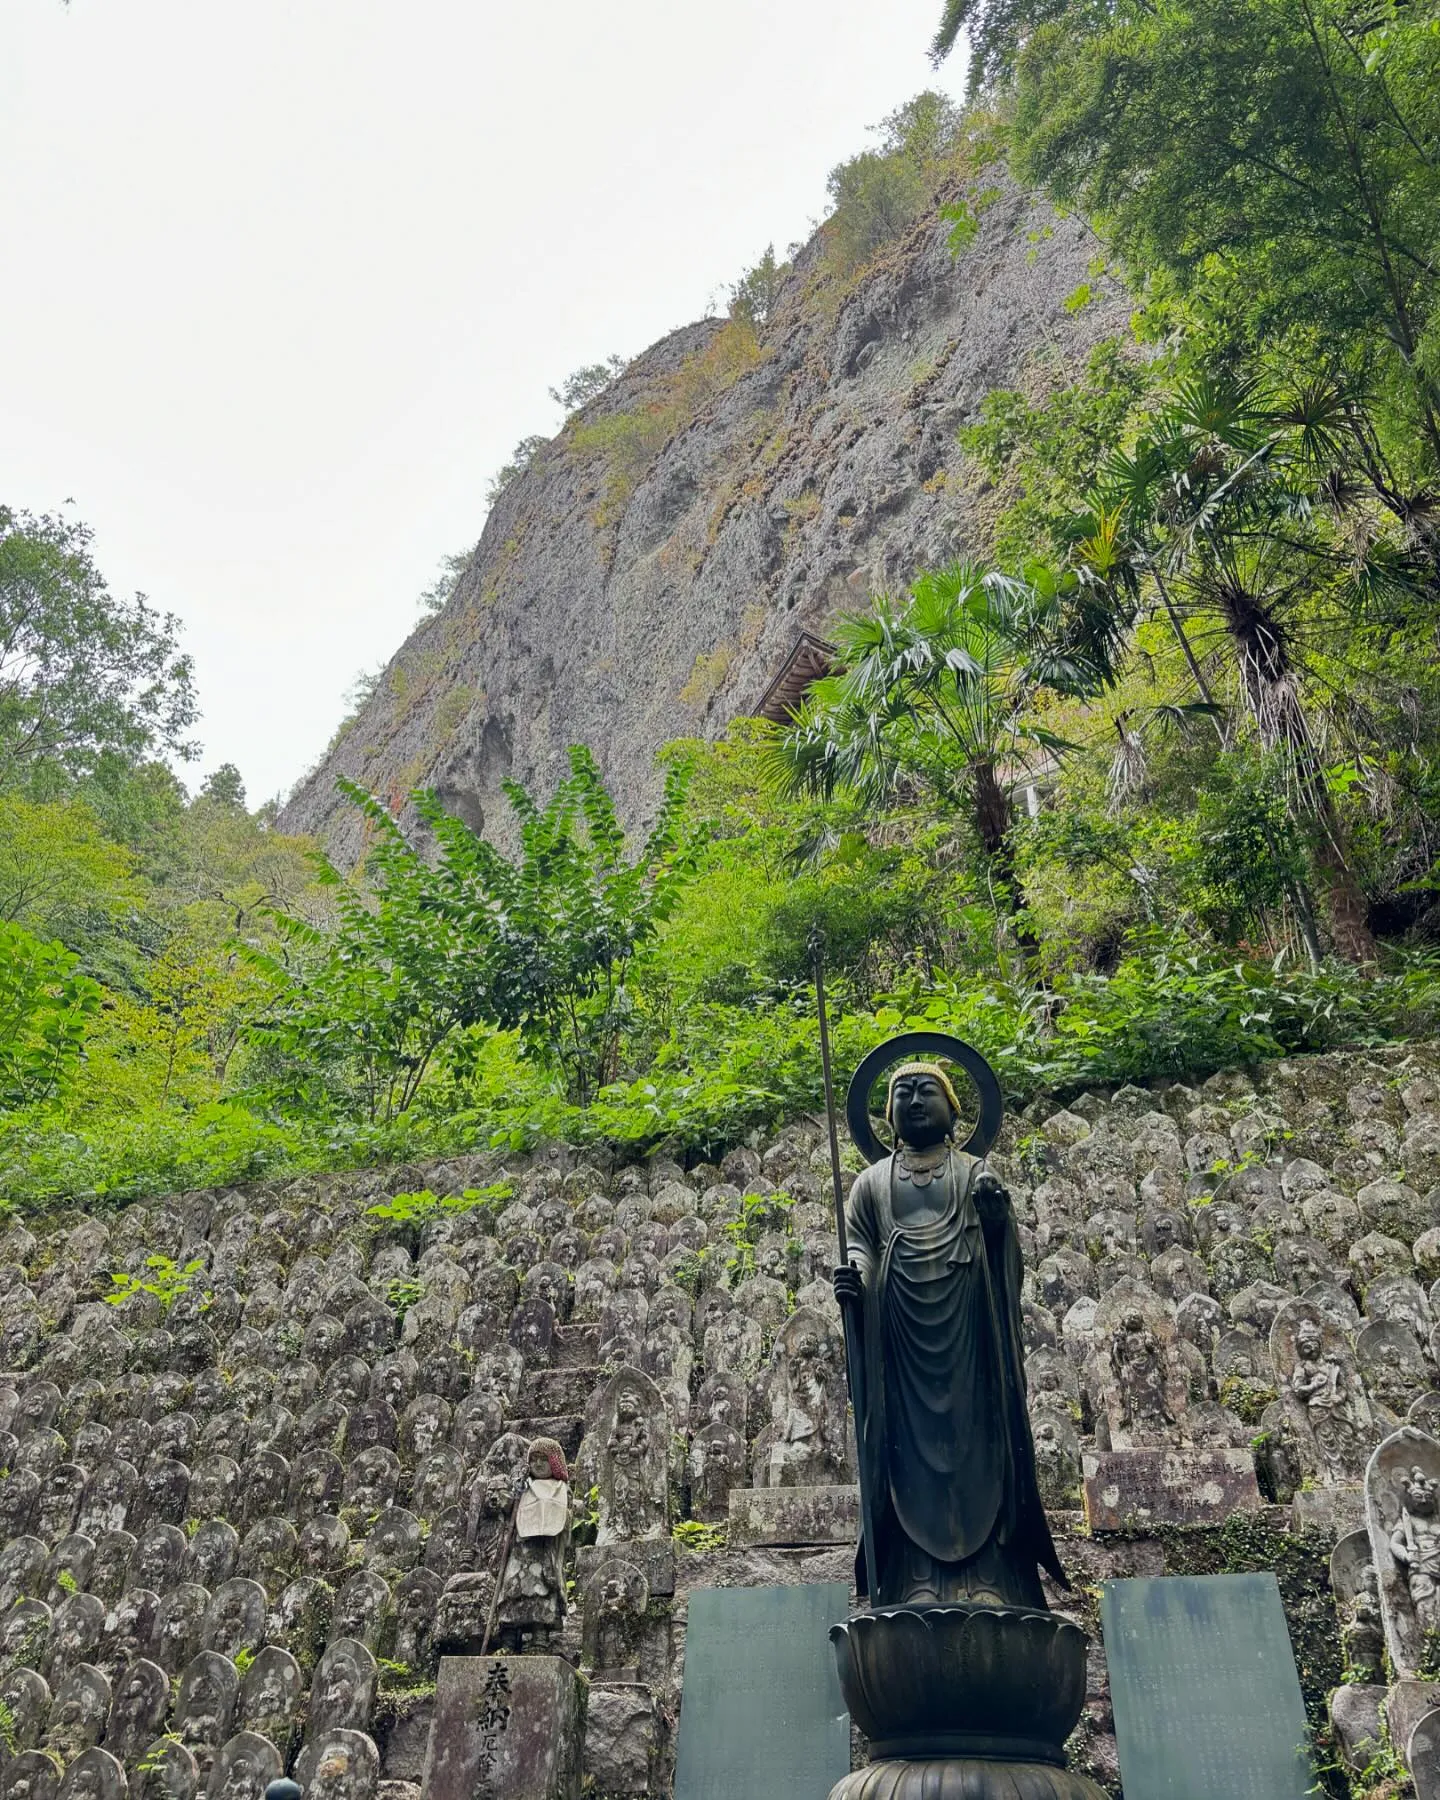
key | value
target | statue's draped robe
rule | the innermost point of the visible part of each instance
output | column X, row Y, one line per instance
column 946, row 1446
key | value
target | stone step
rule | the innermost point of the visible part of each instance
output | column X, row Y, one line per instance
column 567, row 1429
column 563, row 1390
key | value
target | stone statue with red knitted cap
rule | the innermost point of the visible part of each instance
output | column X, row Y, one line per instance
column 531, row 1601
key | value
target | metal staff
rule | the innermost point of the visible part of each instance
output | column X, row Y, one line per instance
column 854, row 1357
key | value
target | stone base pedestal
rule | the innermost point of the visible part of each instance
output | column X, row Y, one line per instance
column 963, row 1702
column 964, row 1778
column 506, row 1728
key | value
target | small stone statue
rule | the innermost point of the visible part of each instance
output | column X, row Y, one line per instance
column 1402, row 1501
column 531, row 1601
column 1363, row 1635
column 1415, row 1545
column 935, row 1291
column 1323, row 1393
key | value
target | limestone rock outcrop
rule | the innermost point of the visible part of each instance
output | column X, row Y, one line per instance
column 649, row 574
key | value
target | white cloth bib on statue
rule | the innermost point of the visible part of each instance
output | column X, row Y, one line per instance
column 544, row 1507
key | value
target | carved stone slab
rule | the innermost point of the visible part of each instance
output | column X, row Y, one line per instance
column 1207, row 1701
column 506, row 1728
column 762, row 1714
column 1125, row 1488
column 793, row 1515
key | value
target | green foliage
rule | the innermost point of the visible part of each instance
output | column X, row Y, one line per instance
column 418, row 1209
column 524, row 455
column 61, row 876
column 434, row 598
column 1273, row 158
column 879, row 194
column 1047, row 452
column 84, row 676
column 543, row 946
column 759, row 1213
column 936, row 693
column 166, row 1280
column 694, row 1535
column 46, row 1007
column 402, row 1295
column 754, row 296
column 588, row 383
column 963, row 217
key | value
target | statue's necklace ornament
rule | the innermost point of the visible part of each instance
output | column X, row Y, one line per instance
column 920, row 1167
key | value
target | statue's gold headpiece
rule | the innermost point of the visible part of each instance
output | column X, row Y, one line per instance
column 919, row 1068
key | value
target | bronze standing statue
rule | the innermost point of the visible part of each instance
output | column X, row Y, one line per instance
column 945, row 1438
column 962, row 1679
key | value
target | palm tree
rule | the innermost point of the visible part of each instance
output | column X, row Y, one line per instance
column 934, row 696
column 1224, row 515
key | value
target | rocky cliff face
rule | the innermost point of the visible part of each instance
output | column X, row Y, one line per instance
column 649, row 574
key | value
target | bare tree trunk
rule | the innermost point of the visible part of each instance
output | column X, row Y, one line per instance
column 1346, row 909
column 1268, row 677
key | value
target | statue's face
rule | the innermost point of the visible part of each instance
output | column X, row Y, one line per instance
column 1420, row 1494
column 1307, row 1340
column 922, row 1111
column 539, row 1465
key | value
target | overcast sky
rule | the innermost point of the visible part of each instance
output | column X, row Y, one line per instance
column 286, row 280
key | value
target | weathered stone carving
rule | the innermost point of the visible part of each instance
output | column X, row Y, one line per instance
column 1334, row 1426
column 78, row 1712
column 1402, row 1516
column 205, row 1707
column 1356, row 1588
column 246, row 1765
column 633, row 1430
column 137, row 1709
column 94, row 1775
column 616, row 1598
column 804, row 1444
column 25, row 1694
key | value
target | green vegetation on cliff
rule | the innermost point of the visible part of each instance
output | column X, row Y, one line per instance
column 1146, row 788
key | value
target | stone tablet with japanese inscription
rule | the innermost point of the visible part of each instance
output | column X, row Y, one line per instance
column 762, row 1713
column 506, row 1728
column 1207, row 1701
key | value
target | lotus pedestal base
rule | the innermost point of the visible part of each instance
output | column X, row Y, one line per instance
column 963, row 1703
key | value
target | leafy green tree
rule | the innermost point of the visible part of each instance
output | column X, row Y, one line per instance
column 46, row 1007
column 1275, row 158
column 1046, row 452
column 935, row 697
column 84, row 676
column 544, row 945
column 435, row 597
column 224, row 787
column 60, row 876
column 524, row 454
column 753, row 297
column 588, row 383
column 879, row 193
